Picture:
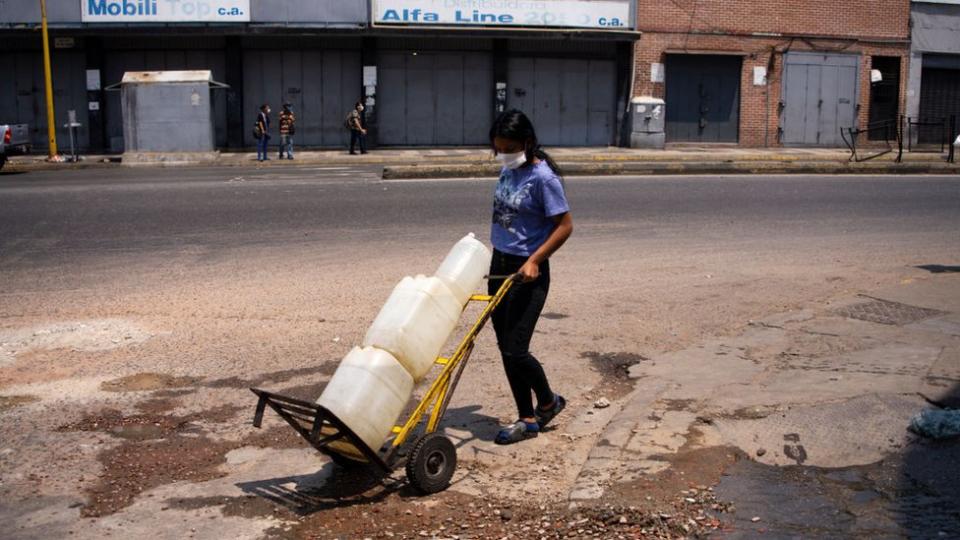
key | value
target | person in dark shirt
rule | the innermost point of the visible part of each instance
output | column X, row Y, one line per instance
column 263, row 128
column 358, row 133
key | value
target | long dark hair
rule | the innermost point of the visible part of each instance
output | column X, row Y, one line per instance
column 515, row 125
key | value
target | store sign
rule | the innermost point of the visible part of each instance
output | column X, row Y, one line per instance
column 138, row 11
column 562, row 13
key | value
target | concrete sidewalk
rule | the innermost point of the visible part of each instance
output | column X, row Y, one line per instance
column 831, row 386
column 477, row 161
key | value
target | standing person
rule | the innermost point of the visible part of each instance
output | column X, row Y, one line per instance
column 263, row 128
column 287, row 129
column 358, row 133
column 531, row 220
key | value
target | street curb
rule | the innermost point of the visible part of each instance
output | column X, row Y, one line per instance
column 396, row 172
column 596, row 166
column 597, row 470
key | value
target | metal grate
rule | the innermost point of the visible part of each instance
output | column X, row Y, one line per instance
column 887, row 312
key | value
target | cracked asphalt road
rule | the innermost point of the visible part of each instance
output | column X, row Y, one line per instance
column 217, row 280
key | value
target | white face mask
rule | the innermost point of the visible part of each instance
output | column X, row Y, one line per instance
column 512, row 161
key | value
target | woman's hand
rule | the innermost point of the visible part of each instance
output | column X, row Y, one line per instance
column 530, row 271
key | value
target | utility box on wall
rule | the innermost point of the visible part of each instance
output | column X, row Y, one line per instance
column 647, row 121
column 167, row 112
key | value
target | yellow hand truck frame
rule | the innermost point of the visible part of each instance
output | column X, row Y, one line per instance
column 432, row 459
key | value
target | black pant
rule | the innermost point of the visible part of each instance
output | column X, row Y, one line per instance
column 514, row 321
column 358, row 136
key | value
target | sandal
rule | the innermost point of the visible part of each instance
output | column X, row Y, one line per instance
column 516, row 432
column 544, row 417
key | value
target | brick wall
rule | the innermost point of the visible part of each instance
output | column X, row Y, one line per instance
column 879, row 28
column 852, row 18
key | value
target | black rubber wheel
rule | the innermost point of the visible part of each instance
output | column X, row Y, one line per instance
column 431, row 463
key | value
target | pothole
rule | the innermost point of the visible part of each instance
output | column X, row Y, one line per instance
column 614, row 370
column 142, row 382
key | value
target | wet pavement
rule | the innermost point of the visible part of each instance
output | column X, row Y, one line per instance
column 912, row 494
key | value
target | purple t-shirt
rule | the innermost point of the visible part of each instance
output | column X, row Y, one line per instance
column 524, row 204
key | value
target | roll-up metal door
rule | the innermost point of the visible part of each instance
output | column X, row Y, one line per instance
column 23, row 99
column 939, row 100
column 819, row 97
column 571, row 102
column 434, row 98
column 322, row 86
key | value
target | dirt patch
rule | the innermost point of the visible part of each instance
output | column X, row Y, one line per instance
column 306, row 392
column 10, row 402
column 327, row 368
column 137, row 466
column 451, row 515
column 276, row 437
column 554, row 316
column 677, row 405
column 758, row 412
column 142, row 382
column 245, row 506
column 160, row 449
column 687, row 485
column 614, row 369
column 90, row 336
column 139, row 427
column 157, row 405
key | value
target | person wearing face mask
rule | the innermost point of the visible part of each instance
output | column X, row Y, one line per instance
column 263, row 129
column 358, row 134
column 531, row 220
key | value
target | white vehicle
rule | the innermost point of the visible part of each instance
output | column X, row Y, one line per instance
column 14, row 141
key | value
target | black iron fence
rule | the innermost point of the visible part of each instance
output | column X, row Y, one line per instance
column 910, row 134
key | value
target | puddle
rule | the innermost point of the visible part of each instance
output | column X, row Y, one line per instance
column 10, row 402
column 614, row 369
column 142, row 382
column 88, row 336
column 914, row 494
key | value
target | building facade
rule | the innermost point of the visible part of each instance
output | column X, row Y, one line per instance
column 432, row 72
column 933, row 90
column 761, row 73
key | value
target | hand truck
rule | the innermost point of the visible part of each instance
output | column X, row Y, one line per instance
column 432, row 458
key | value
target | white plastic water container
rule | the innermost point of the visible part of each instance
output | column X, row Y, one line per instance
column 415, row 322
column 367, row 392
column 463, row 269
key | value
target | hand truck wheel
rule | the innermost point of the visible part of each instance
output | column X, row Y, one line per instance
column 431, row 463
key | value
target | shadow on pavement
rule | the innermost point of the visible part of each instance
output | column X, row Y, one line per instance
column 939, row 268
column 331, row 487
column 480, row 426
